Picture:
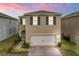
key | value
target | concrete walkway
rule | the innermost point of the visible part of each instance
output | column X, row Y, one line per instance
column 44, row 51
column 19, row 45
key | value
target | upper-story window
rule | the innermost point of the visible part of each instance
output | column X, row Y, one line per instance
column 50, row 20
column 35, row 20
column 14, row 30
column 24, row 21
column 10, row 31
column 10, row 21
column 14, row 21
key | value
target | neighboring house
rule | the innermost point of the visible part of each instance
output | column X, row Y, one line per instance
column 8, row 26
column 41, row 28
column 70, row 27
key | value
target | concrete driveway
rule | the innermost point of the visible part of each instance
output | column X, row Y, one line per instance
column 44, row 51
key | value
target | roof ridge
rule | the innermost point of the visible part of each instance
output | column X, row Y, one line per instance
column 42, row 11
column 6, row 15
column 71, row 14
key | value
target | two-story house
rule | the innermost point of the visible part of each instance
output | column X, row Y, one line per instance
column 8, row 26
column 70, row 26
column 41, row 28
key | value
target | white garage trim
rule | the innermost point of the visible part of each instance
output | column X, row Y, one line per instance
column 43, row 40
column 44, row 34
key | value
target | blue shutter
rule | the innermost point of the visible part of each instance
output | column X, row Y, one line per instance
column 38, row 20
column 46, row 20
column 31, row 20
column 54, row 20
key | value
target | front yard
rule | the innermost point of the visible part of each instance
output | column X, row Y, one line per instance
column 5, row 47
column 5, row 44
column 69, row 48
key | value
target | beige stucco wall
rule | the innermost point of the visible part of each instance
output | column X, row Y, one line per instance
column 71, row 26
column 42, row 28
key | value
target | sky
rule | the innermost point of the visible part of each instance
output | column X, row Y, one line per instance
column 18, row 9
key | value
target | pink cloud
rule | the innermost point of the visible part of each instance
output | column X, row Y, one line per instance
column 41, row 6
column 44, row 6
column 65, row 6
column 16, row 7
column 19, row 8
column 50, row 6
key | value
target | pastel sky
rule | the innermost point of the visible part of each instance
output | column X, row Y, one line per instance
column 18, row 9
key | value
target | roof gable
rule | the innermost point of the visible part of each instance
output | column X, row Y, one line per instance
column 72, row 15
column 41, row 12
column 7, row 16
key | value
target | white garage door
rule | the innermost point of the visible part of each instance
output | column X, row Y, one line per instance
column 43, row 40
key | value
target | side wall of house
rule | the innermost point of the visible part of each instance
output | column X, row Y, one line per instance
column 71, row 26
column 7, row 29
column 65, row 26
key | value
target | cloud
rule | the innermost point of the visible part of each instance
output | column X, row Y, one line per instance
column 11, row 13
column 16, row 7
column 49, row 6
column 41, row 6
column 19, row 9
column 32, row 6
column 65, row 6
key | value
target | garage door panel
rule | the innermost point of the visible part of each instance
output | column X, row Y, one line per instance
column 43, row 40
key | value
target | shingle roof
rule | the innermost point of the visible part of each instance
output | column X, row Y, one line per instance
column 41, row 12
column 72, row 15
column 6, row 16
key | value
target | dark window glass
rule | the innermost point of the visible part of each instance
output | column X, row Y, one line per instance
column 38, row 20
column 14, row 30
column 54, row 20
column 10, row 21
column 21, row 20
column 31, row 20
column 14, row 21
column 10, row 31
column 46, row 20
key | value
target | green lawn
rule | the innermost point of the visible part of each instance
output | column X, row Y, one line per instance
column 7, row 43
column 69, row 48
column 19, row 52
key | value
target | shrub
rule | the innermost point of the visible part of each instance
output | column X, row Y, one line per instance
column 59, row 44
column 26, row 45
column 17, row 40
column 10, row 49
column 67, row 38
